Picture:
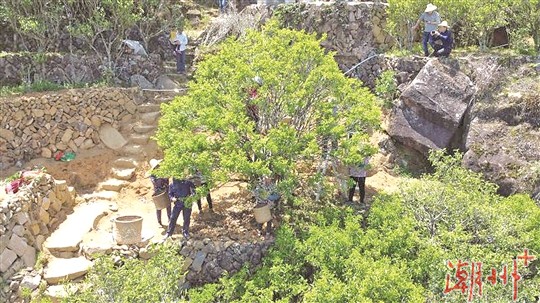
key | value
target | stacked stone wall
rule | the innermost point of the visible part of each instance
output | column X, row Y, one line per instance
column 66, row 120
column 26, row 219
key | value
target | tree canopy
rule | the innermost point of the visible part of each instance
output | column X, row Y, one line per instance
column 264, row 105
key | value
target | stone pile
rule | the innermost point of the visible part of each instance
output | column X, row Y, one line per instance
column 26, row 219
column 207, row 260
column 21, row 68
column 63, row 121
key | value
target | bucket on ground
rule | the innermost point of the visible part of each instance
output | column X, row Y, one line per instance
column 127, row 229
column 262, row 213
column 161, row 201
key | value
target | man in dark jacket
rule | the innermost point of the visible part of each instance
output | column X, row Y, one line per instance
column 443, row 40
column 178, row 192
column 160, row 185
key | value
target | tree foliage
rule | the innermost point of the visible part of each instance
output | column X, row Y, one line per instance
column 302, row 111
column 401, row 256
column 41, row 25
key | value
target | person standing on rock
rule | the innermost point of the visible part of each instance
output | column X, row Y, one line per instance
column 179, row 192
column 358, row 174
column 443, row 40
column 161, row 185
column 431, row 19
column 180, row 41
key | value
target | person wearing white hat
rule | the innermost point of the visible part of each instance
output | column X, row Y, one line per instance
column 443, row 40
column 431, row 19
column 161, row 185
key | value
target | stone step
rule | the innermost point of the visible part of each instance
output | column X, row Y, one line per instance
column 126, row 162
column 68, row 236
column 143, row 129
column 123, row 173
column 148, row 108
column 59, row 270
column 139, row 139
column 106, row 195
column 112, row 185
column 133, row 150
column 150, row 118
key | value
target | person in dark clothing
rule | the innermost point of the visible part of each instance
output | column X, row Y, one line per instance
column 178, row 192
column 161, row 185
column 358, row 174
column 200, row 180
column 443, row 40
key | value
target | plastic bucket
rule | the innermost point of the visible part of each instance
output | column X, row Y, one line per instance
column 127, row 229
column 262, row 213
column 161, row 201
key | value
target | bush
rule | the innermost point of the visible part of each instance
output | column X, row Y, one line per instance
column 386, row 88
column 401, row 256
column 155, row 280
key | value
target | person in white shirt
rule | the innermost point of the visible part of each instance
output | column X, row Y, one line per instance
column 431, row 20
column 180, row 41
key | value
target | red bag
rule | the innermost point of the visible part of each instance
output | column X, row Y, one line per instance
column 13, row 186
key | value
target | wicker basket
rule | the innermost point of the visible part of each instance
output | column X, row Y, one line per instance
column 262, row 213
column 161, row 201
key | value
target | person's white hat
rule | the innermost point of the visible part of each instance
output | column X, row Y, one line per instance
column 154, row 163
column 430, row 7
column 443, row 24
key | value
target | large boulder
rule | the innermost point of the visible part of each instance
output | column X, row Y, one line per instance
column 432, row 108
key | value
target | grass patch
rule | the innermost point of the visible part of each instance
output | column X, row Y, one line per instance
column 42, row 86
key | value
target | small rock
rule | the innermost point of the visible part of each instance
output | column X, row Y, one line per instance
column 198, row 261
column 31, row 282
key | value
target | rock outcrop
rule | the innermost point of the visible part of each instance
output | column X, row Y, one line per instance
column 503, row 141
column 432, row 108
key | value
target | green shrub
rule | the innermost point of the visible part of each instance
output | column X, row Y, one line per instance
column 155, row 280
column 401, row 256
column 386, row 87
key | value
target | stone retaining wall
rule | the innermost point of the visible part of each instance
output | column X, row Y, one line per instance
column 19, row 68
column 26, row 219
column 205, row 260
column 354, row 30
column 208, row 260
column 66, row 120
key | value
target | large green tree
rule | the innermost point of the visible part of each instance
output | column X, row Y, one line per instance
column 264, row 106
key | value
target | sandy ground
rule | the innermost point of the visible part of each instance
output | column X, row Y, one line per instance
column 84, row 172
column 232, row 216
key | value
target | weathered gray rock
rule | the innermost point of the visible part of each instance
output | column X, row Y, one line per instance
column 7, row 257
column 31, row 281
column 111, row 137
column 17, row 245
column 140, row 81
column 65, row 269
column 198, row 261
column 164, row 82
column 432, row 108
